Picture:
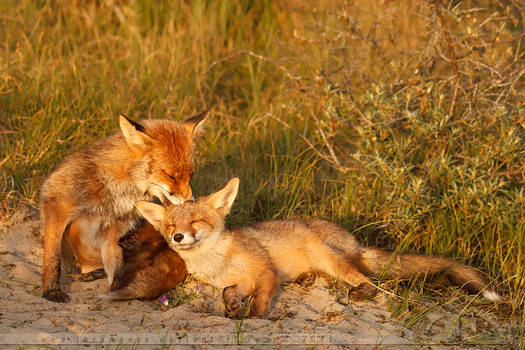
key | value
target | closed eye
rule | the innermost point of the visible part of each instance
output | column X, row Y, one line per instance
column 170, row 176
column 198, row 224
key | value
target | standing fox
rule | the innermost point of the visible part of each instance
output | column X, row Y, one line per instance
column 89, row 199
column 255, row 259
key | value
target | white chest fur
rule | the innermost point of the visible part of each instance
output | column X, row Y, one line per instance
column 207, row 262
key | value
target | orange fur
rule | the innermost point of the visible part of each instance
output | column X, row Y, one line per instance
column 150, row 267
column 253, row 259
column 90, row 197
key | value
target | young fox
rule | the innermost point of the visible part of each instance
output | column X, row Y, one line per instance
column 255, row 259
column 89, row 199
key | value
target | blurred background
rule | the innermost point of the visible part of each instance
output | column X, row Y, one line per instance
column 401, row 120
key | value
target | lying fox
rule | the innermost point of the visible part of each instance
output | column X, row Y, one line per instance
column 256, row 259
column 88, row 201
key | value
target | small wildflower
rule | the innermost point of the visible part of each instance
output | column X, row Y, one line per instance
column 199, row 288
column 164, row 300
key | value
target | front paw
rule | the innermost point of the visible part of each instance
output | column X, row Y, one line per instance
column 56, row 295
column 236, row 309
column 364, row 291
column 306, row 279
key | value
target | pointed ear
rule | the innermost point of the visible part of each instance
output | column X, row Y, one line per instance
column 152, row 212
column 191, row 124
column 134, row 134
column 223, row 199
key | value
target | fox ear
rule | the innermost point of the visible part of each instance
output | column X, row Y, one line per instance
column 191, row 125
column 223, row 199
column 134, row 134
column 152, row 212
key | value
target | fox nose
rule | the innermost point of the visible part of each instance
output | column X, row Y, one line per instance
column 178, row 237
column 187, row 193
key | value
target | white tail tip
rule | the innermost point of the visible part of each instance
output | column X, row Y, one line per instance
column 491, row 295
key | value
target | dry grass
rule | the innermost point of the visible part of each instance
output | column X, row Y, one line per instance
column 402, row 121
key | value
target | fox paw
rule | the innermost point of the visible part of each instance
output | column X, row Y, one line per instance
column 90, row 276
column 364, row 291
column 233, row 303
column 235, row 309
column 306, row 279
column 56, row 295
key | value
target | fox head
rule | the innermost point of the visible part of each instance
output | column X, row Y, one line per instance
column 164, row 150
column 187, row 225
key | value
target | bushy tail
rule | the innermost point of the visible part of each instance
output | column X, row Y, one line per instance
column 374, row 261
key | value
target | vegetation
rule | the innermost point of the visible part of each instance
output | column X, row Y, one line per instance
column 403, row 121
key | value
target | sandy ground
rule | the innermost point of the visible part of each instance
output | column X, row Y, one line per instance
column 299, row 316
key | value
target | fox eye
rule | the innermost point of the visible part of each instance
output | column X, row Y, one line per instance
column 199, row 224
column 170, row 176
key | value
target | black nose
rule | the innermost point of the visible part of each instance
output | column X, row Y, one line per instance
column 178, row 237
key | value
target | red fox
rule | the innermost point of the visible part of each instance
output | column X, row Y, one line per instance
column 256, row 259
column 89, row 199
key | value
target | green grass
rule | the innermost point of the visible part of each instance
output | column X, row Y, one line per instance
column 363, row 113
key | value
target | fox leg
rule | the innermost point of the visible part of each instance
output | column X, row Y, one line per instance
column 338, row 265
column 264, row 292
column 233, row 302
column 56, row 222
column 85, row 240
column 111, row 253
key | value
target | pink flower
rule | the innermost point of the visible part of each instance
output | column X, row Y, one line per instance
column 164, row 300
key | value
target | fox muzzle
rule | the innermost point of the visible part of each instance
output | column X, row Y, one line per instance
column 178, row 237
column 183, row 240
